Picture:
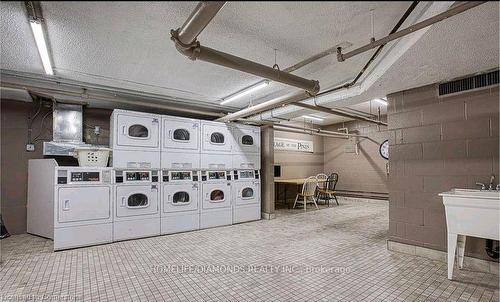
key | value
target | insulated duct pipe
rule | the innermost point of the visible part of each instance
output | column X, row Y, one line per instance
column 339, row 112
column 280, row 101
column 204, row 12
column 186, row 43
column 317, row 130
column 279, row 128
column 437, row 18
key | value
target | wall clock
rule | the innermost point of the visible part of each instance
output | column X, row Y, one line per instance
column 384, row 149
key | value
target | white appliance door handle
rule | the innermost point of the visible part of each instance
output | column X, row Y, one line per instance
column 124, row 130
column 168, row 197
column 123, row 201
column 66, row 205
column 170, row 133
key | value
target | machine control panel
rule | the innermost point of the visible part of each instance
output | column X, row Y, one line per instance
column 85, row 176
column 245, row 174
column 179, row 176
column 215, row 175
column 136, row 176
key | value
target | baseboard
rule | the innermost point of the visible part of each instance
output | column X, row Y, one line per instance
column 474, row 264
column 268, row 216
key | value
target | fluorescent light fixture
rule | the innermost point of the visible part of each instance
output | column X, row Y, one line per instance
column 314, row 118
column 41, row 44
column 244, row 92
column 381, row 101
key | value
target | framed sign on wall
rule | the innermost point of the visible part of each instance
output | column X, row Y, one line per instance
column 286, row 144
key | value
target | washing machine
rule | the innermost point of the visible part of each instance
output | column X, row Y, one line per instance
column 135, row 139
column 180, row 143
column 180, row 209
column 71, row 205
column 246, row 195
column 136, row 206
column 246, row 148
column 215, row 199
column 216, row 146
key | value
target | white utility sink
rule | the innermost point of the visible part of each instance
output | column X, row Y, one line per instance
column 469, row 213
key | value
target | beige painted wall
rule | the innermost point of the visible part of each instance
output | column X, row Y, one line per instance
column 300, row 164
column 14, row 158
column 438, row 143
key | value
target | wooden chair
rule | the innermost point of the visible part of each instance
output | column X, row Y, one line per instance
column 322, row 178
column 308, row 192
column 329, row 191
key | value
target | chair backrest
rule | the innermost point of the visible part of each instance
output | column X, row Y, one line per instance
column 309, row 187
column 331, row 182
column 322, row 178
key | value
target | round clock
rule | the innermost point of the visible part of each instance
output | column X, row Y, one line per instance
column 384, row 149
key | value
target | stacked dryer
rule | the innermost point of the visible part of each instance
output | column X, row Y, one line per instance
column 246, row 176
column 135, row 139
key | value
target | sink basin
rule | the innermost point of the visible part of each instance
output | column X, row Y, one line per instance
column 469, row 213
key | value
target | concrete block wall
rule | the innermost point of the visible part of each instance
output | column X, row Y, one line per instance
column 438, row 143
column 365, row 171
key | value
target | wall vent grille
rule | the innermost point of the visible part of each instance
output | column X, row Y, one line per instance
column 473, row 82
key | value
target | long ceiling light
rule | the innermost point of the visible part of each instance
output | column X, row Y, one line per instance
column 314, row 118
column 381, row 101
column 244, row 92
column 41, row 44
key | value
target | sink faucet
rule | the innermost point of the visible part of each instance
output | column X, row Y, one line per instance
column 492, row 179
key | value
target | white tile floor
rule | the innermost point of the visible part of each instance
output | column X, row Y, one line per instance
column 335, row 254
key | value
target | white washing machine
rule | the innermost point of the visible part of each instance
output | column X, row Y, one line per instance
column 71, row 205
column 216, row 146
column 246, row 195
column 215, row 199
column 180, row 143
column 135, row 139
column 136, row 206
column 246, row 150
column 180, row 208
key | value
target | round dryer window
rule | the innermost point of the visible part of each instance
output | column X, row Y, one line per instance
column 384, row 149
column 138, row 131
column 180, row 197
column 217, row 138
column 247, row 140
column 181, row 135
column 217, row 196
column 137, row 200
column 247, row 193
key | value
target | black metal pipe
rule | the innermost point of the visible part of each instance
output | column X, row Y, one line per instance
column 375, row 54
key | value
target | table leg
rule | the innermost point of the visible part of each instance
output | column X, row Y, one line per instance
column 284, row 197
column 452, row 247
column 461, row 250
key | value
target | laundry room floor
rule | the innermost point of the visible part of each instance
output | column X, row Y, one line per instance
column 335, row 254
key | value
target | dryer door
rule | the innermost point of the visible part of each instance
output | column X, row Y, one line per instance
column 247, row 140
column 137, row 131
column 136, row 200
column 180, row 197
column 83, row 203
column 216, row 195
column 181, row 134
column 246, row 192
column 216, row 138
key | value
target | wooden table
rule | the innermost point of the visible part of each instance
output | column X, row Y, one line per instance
column 298, row 182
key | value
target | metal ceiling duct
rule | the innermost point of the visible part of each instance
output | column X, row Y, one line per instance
column 186, row 43
column 339, row 112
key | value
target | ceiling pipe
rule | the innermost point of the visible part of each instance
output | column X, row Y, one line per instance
column 280, row 101
column 318, row 130
column 186, row 43
column 415, row 27
column 279, row 128
column 339, row 112
column 204, row 12
column 326, row 52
